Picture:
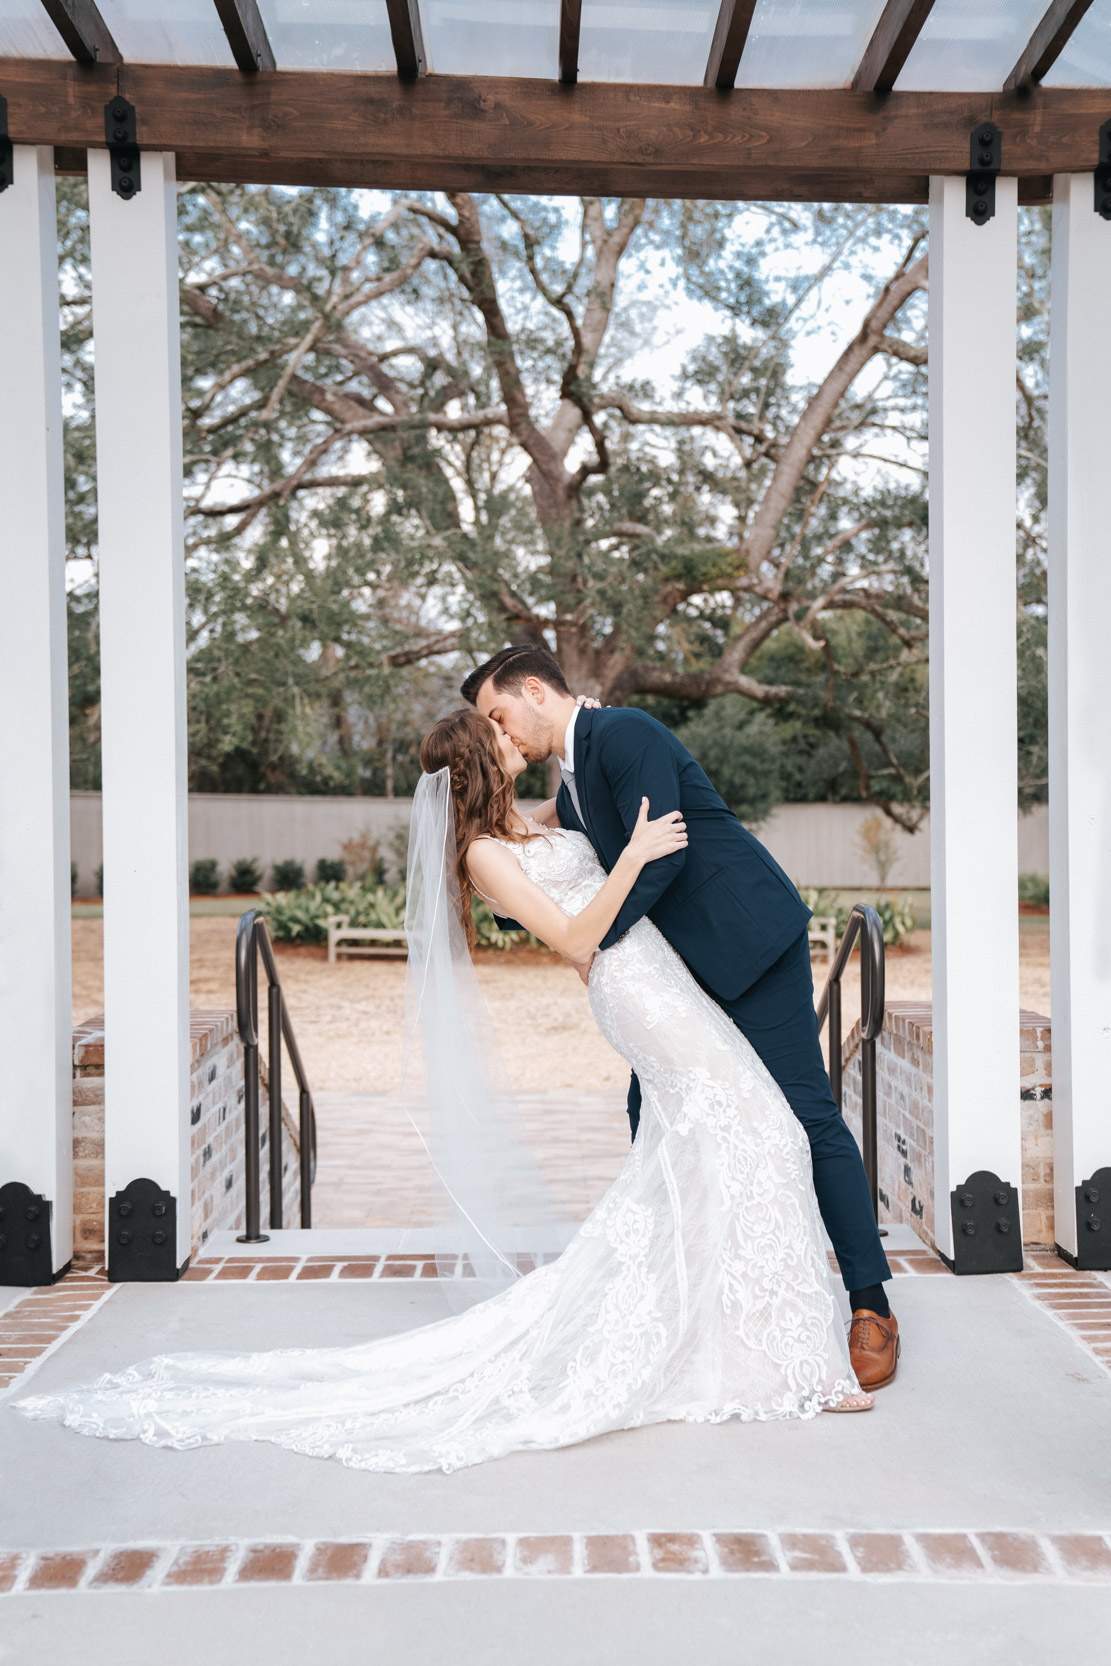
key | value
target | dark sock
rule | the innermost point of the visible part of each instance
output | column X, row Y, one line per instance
column 871, row 1297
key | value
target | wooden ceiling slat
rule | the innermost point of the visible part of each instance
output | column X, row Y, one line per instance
column 1047, row 42
column 730, row 37
column 408, row 42
column 317, row 128
column 247, row 37
column 84, row 31
column 570, row 18
column 899, row 27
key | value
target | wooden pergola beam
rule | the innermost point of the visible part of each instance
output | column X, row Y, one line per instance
column 408, row 42
column 247, row 37
column 730, row 38
column 570, row 19
column 486, row 133
column 83, row 30
column 899, row 27
column 1047, row 42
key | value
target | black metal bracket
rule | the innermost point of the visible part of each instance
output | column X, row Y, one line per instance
column 985, row 161
column 987, row 1226
column 123, row 147
column 7, row 159
column 1093, row 1225
column 142, row 1235
column 1103, row 172
column 25, row 1236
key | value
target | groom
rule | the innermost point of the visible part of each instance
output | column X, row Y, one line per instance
column 732, row 914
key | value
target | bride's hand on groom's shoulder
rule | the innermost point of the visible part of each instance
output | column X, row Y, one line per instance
column 588, row 701
column 650, row 840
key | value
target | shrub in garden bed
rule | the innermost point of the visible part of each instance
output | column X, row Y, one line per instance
column 331, row 870
column 289, row 875
column 1033, row 889
column 302, row 916
column 204, row 876
column 245, row 875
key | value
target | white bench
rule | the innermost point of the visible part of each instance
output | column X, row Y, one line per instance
column 822, row 932
column 346, row 939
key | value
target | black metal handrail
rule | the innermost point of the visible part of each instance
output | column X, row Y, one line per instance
column 252, row 940
column 866, row 924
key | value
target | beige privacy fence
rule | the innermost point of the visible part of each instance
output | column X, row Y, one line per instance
column 817, row 844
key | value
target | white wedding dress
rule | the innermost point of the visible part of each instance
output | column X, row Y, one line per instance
column 698, row 1290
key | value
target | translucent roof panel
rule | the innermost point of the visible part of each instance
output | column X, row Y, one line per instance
column 666, row 41
column 351, row 35
column 27, row 32
column 970, row 45
column 807, row 43
column 167, row 31
column 1086, row 60
column 492, row 37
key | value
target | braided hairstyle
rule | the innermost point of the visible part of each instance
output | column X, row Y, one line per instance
column 482, row 793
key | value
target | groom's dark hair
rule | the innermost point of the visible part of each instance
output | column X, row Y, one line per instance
column 511, row 666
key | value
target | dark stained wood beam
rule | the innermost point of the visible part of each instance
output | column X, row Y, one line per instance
column 408, row 42
column 247, row 37
column 570, row 17
column 488, row 134
column 893, row 37
column 730, row 37
column 1047, row 42
column 84, row 31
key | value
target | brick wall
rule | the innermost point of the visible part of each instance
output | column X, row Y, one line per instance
column 905, row 1120
column 216, row 1136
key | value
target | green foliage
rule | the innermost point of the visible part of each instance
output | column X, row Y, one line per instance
column 898, row 917
column 204, row 876
column 99, row 878
column 245, row 875
column 320, row 618
column 331, row 870
column 896, row 914
column 289, row 875
column 739, row 747
column 302, row 916
column 73, row 879
column 1033, row 888
column 827, row 904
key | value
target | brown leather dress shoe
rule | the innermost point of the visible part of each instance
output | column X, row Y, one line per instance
column 874, row 1349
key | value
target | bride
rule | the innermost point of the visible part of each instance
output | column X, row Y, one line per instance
column 698, row 1289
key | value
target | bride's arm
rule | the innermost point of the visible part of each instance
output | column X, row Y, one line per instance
column 545, row 814
column 497, row 872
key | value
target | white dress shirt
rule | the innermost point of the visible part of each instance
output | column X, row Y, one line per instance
column 567, row 762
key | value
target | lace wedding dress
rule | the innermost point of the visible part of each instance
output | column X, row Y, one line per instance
column 698, row 1290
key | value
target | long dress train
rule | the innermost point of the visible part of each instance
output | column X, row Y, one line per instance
column 697, row 1290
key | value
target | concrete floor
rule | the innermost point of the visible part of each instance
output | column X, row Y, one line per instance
column 998, row 1420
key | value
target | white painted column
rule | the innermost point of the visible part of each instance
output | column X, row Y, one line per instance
column 142, row 656
column 36, row 1118
column 1080, row 710
column 973, row 694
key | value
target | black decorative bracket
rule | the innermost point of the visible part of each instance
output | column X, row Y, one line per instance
column 142, row 1235
column 987, row 1226
column 123, row 147
column 7, row 161
column 985, row 161
column 25, row 1237
column 1093, row 1225
column 1103, row 172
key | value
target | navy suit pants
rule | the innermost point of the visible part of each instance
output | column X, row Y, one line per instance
column 776, row 1014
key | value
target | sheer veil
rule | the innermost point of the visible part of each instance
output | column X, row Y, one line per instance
column 500, row 1215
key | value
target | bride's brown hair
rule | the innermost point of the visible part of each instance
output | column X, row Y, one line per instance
column 482, row 793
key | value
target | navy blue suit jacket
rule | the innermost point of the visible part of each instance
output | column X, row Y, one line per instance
column 724, row 903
